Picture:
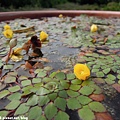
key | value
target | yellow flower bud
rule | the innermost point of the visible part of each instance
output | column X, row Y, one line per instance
column 81, row 71
column 8, row 33
column 94, row 28
column 43, row 36
column 6, row 27
column 60, row 16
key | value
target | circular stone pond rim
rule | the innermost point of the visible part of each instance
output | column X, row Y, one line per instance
column 50, row 13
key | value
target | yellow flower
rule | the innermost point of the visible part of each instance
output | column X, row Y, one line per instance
column 6, row 27
column 60, row 16
column 94, row 28
column 81, row 71
column 16, row 55
column 43, row 36
column 8, row 33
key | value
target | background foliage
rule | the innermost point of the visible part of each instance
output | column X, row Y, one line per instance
column 11, row 5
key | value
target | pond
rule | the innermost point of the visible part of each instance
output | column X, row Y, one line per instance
column 37, row 78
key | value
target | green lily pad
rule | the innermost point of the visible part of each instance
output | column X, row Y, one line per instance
column 23, row 108
column 72, row 93
column 60, row 103
column 52, row 96
column 84, row 99
column 7, row 67
column 3, row 113
column 100, row 74
column 50, row 111
column 76, row 81
column 60, row 75
column 109, row 81
column 111, row 77
column 38, row 70
column 97, row 107
column 23, row 78
column 86, row 114
column 36, row 80
column 65, row 84
column 73, row 103
column 27, row 90
column 43, row 100
column 107, row 70
column 34, row 113
column 13, row 105
column 33, row 100
column 63, row 94
column 86, row 90
column 47, row 79
column 70, row 76
column 14, row 96
column 52, row 75
column 41, row 74
column 61, row 116
column 118, row 76
column 42, row 91
column 26, row 83
column 4, row 93
column 14, row 88
column 75, row 87
column 10, row 79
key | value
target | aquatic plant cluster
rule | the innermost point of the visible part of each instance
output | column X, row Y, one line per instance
column 34, row 88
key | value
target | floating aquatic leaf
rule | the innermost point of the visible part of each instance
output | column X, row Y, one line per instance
column 118, row 76
column 50, row 111
column 65, row 84
column 61, row 116
column 52, row 96
column 13, row 105
column 2, row 85
column 86, row 90
column 4, row 93
column 33, row 100
column 41, row 74
column 75, row 87
column 100, row 74
column 60, row 103
column 34, row 113
column 43, row 100
column 60, row 76
column 76, row 81
column 72, row 93
column 36, row 80
column 27, row 90
column 14, row 96
column 23, row 108
column 97, row 107
column 83, row 99
column 96, row 97
column 70, row 76
column 42, row 91
column 86, row 114
column 107, row 70
column 7, row 67
column 63, row 94
column 14, row 89
column 3, row 113
column 117, row 87
column 26, row 83
column 103, row 116
column 10, row 79
column 73, row 103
